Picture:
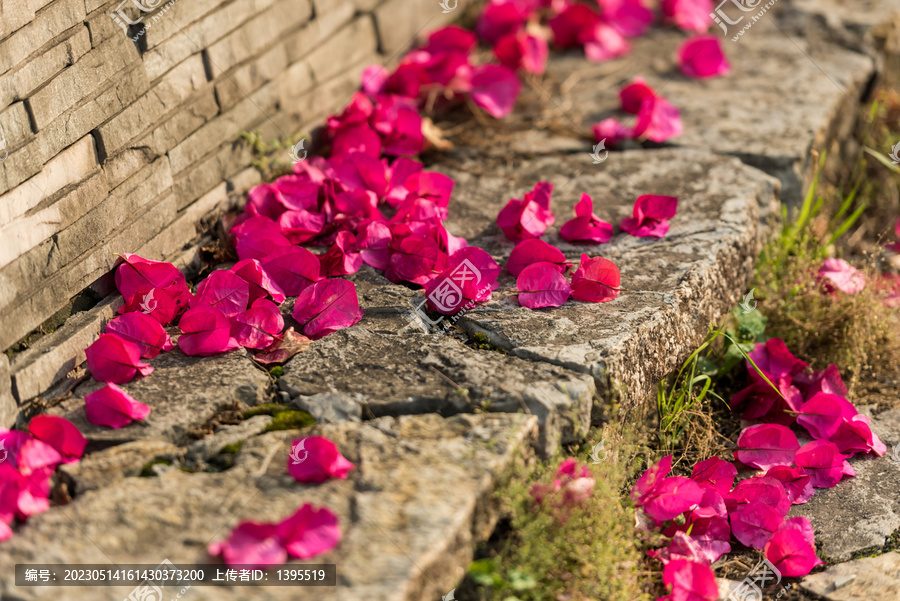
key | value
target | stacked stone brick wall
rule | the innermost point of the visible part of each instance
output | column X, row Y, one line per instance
column 114, row 145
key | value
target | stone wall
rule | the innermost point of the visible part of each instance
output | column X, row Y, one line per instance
column 118, row 146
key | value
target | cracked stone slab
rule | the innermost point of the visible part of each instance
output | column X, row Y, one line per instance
column 100, row 469
column 433, row 373
column 411, row 512
column 208, row 447
column 676, row 286
column 864, row 579
column 183, row 392
column 331, row 407
column 862, row 512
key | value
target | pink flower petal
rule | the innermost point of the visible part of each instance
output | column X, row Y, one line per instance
column 258, row 326
column 650, row 216
column 224, row 291
column 702, row 56
column 309, row 532
column 144, row 331
column 59, row 433
column 657, row 120
column 649, row 480
column 672, row 497
column 258, row 280
column 251, row 544
column 822, row 414
column 113, row 407
column 596, row 280
column 795, row 481
column 136, row 273
column 823, row 462
column 715, row 474
column 113, row 359
column 528, row 217
column 495, row 89
column 533, row 250
column 205, row 332
column 838, row 274
column 586, row 227
column 541, row 285
column 754, row 523
column 292, row 268
column 689, row 581
column 791, row 553
column 691, row 15
column 317, row 459
column 762, row 489
column 766, row 445
column 327, row 306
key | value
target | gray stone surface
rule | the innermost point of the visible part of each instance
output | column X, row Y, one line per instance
column 675, row 287
column 411, row 512
column 183, row 393
column 867, row 579
column 331, row 407
column 8, row 406
column 433, row 373
column 208, row 447
column 103, row 468
column 862, row 512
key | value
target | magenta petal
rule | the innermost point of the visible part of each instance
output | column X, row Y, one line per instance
column 796, row 482
column 822, row 414
column 258, row 280
column 650, row 479
column 528, row 217
column 690, row 581
column 224, row 291
column 658, row 120
column 59, row 433
column 136, row 273
column 838, row 274
column 702, row 56
column 111, row 406
column 251, row 544
column 327, row 306
column 205, row 332
column 790, row 552
column 681, row 546
column 317, row 459
column 309, row 532
column 691, row 15
column 596, row 280
column 766, row 445
column 823, row 462
column 495, row 88
column 373, row 241
column 715, row 474
column 258, row 326
column 113, row 359
column 854, row 435
column 292, row 268
column 541, row 285
column 671, row 497
column 764, row 490
column 753, row 523
column 144, row 331
column 528, row 252
column 650, row 216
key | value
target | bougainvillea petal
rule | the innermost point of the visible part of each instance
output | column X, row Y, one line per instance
column 205, row 331
column 284, row 348
column 854, row 435
column 596, row 280
column 251, row 544
column 468, row 278
column 224, row 291
column 766, row 445
column 822, row 414
column 650, row 216
column 681, row 546
column 499, row 18
column 774, row 358
column 824, row 380
column 838, row 274
column 691, row 15
column 293, row 269
column 301, row 226
column 568, row 25
column 542, row 285
column 611, row 131
column 714, row 473
column 113, row 359
column 144, row 331
column 258, row 326
column 162, row 304
column 309, row 532
column 764, row 490
column 136, row 273
column 342, row 258
column 586, row 227
column 258, row 280
column 702, row 56
column 796, row 482
column 754, row 523
column 791, row 553
column 689, row 581
column 317, row 459
column 528, row 217
column 633, row 95
column 823, row 462
column 671, row 497
column 657, row 120
column 59, row 433
column 327, row 306
column 495, row 89
column 257, row 237
column 650, row 479
column 113, row 407
column 532, row 251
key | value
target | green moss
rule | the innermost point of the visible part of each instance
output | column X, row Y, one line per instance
column 291, row 420
column 147, row 470
column 276, row 372
column 267, row 409
column 233, row 448
column 481, row 342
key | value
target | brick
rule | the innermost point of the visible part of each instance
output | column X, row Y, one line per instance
column 181, row 16
column 33, row 308
column 399, row 22
column 205, row 175
column 328, row 97
column 162, row 99
column 224, row 128
column 208, row 203
column 293, row 83
column 245, row 179
column 81, row 80
column 350, row 45
column 15, row 127
column 101, row 25
column 47, row 24
column 233, row 87
column 18, row 83
column 49, row 359
column 71, row 166
column 160, row 57
column 8, row 406
column 13, row 15
column 28, row 232
column 258, row 33
column 324, row 24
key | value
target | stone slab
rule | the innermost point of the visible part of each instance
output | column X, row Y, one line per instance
column 103, row 468
column 676, row 286
column 864, row 579
column 862, row 512
column 183, row 393
column 411, row 512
